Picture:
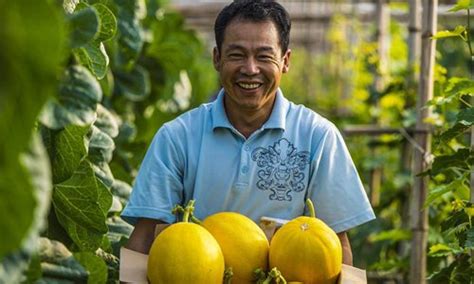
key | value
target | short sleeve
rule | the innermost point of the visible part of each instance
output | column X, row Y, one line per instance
column 159, row 183
column 335, row 187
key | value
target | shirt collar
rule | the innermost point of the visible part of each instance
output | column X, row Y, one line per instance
column 276, row 120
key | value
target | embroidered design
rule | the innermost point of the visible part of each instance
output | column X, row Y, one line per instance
column 282, row 169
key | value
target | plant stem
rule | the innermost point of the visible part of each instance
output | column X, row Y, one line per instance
column 310, row 206
column 468, row 41
column 188, row 210
column 228, row 274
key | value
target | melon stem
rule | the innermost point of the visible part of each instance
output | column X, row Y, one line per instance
column 228, row 274
column 310, row 206
column 188, row 210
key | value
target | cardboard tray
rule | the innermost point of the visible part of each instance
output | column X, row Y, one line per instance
column 133, row 265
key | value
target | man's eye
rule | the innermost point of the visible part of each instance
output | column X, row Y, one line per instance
column 235, row 55
column 265, row 57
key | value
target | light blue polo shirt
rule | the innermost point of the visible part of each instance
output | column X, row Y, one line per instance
column 296, row 154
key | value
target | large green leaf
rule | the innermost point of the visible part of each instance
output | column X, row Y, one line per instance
column 130, row 39
column 453, row 132
column 108, row 23
column 103, row 172
column 439, row 191
column 84, row 238
column 458, row 160
column 461, row 5
column 28, row 64
column 107, row 122
column 77, row 102
column 81, row 204
column 36, row 163
column 94, row 265
column 134, row 85
column 67, row 148
column 59, row 264
column 458, row 31
column 466, row 116
column 94, row 56
column 84, row 25
column 101, row 146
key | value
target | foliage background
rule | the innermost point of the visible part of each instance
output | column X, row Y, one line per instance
column 87, row 83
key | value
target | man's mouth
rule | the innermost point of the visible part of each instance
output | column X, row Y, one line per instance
column 249, row 86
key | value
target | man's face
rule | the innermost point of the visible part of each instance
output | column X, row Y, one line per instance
column 250, row 64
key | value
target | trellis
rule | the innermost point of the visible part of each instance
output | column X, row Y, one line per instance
column 310, row 21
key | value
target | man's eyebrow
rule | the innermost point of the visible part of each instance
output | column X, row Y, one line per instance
column 234, row 46
column 240, row 47
column 266, row 48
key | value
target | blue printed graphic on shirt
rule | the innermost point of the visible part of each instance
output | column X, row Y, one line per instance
column 282, row 169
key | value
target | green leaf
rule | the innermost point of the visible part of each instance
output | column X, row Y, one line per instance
column 470, row 238
column 106, row 121
column 464, row 271
column 121, row 189
column 67, row 148
column 134, row 85
column 94, row 265
column 457, row 160
column 466, row 116
column 443, row 250
column 81, row 204
column 84, row 238
column 34, row 272
column 458, row 31
column 101, row 146
column 57, row 262
column 394, row 235
column 84, row 25
column 70, row 5
column 28, row 64
column 103, row 173
column 439, row 191
column 36, row 162
column 130, row 39
column 461, row 5
column 94, row 56
column 456, row 219
column 442, row 276
column 453, row 132
column 77, row 102
column 108, row 22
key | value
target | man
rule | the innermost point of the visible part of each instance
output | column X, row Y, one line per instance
column 251, row 150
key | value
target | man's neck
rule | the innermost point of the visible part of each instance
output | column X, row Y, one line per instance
column 247, row 122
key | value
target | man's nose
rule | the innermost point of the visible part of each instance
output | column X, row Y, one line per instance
column 250, row 67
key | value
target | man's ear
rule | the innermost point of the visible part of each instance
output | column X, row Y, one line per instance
column 286, row 61
column 216, row 58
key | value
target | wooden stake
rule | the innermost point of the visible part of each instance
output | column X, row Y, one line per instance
column 419, row 216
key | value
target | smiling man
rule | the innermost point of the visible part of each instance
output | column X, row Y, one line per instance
column 251, row 150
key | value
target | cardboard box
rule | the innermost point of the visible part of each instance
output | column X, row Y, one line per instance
column 133, row 265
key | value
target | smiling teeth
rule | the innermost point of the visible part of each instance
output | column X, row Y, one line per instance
column 249, row 86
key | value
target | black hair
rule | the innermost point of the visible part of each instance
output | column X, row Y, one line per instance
column 256, row 11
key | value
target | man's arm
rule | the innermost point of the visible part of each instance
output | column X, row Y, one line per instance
column 346, row 248
column 143, row 235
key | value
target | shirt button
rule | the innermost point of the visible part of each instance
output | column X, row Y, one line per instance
column 245, row 169
column 247, row 147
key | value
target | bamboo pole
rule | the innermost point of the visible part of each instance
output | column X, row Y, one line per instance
column 406, row 151
column 382, row 16
column 419, row 217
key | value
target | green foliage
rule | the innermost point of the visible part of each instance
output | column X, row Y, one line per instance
column 97, row 69
column 450, row 172
column 31, row 72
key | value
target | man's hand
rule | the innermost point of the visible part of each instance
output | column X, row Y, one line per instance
column 143, row 235
column 346, row 248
